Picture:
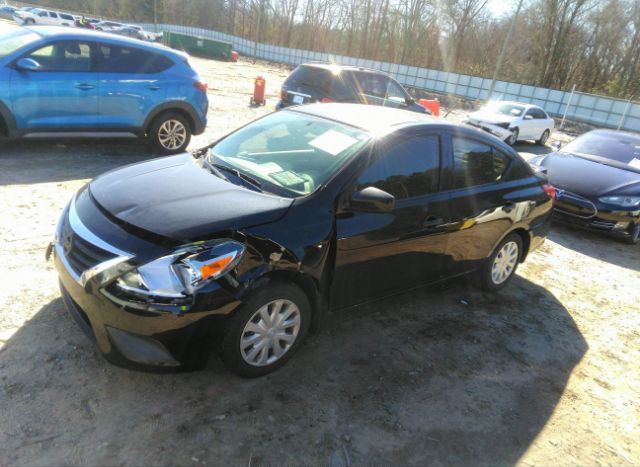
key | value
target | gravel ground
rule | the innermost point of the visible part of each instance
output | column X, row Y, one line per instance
column 544, row 373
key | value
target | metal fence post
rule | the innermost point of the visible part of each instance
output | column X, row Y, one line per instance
column 567, row 107
column 624, row 114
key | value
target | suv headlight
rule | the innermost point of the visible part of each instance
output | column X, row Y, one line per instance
column 623, row 201
column 180, row 274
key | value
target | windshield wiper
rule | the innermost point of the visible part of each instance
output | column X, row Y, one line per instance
column 242, row 176
column 213, row 169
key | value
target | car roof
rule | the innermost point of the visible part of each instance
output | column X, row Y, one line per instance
column 521, row 104
column 371, row 118
column 334, row 67
column 91, row 35
column 615, row 134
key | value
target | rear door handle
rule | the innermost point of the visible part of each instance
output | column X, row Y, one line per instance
column 85, row 86
column 153, row 88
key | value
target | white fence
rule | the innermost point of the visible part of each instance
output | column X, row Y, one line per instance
column 588, row 108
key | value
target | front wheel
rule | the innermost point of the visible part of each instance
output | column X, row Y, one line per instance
column 169, row 133
column 634, row 235
column 513, row 137
column 500, row 268
column 266, row 331
column 29, row 22
column 543, row 138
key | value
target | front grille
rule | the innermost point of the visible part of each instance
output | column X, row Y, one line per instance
column 79, row 253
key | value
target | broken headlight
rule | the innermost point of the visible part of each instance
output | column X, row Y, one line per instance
column 183, row 272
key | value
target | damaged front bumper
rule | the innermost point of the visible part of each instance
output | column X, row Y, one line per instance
column 495, row 130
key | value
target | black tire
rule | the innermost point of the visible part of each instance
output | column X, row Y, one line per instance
column 484, row 275
column 157, row 126
column 29, row 22
column 543, row 138
column 634, row 237
column 513, row 139
column 233, row 333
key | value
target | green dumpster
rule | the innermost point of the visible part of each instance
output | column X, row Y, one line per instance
column 199, row 46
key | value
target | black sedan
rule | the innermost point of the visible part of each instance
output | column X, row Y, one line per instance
column 249, row 244
column 597, row 177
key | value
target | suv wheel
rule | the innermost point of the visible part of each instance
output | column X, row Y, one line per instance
column 513, row 138
column 265, row 332
column 29, row 22
column 169, row 133
column 500, row 268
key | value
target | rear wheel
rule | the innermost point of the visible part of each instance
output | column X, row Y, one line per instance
column 169, row 133
column 513, row 138
column 543, row 138
column 265, row 333
column 500, row 268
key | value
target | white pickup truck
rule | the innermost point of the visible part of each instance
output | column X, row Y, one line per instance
column 43, row 17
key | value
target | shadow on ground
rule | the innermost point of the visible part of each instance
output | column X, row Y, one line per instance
column 444, row 375
column 25, row 161
column 596, row 245
column 532, row 148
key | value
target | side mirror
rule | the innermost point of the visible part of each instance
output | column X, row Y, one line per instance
column 27, row 64
column 528, row 117
column 409, row 101
column 556, row 145
column 372, row 199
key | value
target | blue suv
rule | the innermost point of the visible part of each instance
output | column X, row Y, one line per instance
column 75, row 83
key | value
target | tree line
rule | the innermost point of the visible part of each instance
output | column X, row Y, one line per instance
column 594, row 44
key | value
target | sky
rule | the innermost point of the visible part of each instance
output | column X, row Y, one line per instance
column 500, row 7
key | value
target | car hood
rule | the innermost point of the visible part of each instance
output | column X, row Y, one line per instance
column 175, row 198
column 588, row 178
column 491, row 117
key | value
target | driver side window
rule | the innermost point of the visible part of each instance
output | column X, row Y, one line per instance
column 394, row 90
column 405, row 168
column 63, row 56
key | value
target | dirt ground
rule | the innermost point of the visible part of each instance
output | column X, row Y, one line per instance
column 544, row 373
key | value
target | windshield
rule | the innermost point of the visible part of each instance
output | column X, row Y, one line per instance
column 13, row 41
column 291, row 151
column 511, row 110
column 620, row 147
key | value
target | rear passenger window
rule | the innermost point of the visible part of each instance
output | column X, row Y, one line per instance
column 476, row 163
column 117, row 59
column 371, row 84
column 405, row 168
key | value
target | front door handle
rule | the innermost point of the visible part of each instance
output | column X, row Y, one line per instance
column 153, row 87
column 85, row 86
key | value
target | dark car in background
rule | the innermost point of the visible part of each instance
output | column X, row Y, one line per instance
column 317, row 206
column 597, row 177
column 319, row 82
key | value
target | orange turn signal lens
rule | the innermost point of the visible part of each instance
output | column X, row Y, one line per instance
column 215, row 267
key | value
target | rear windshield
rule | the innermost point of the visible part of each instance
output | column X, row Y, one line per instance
column 312, row 77
column 14, row 41
column 618, row 147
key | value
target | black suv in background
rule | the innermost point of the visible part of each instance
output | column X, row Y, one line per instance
column 319, row 82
